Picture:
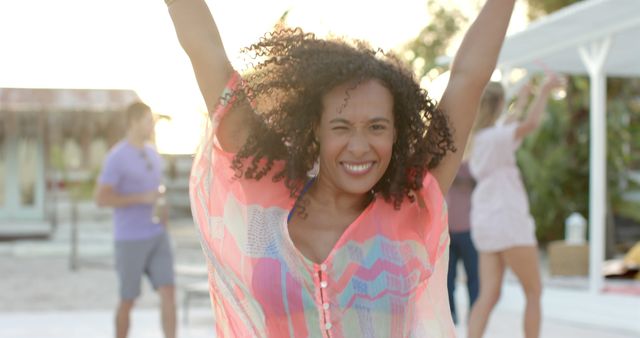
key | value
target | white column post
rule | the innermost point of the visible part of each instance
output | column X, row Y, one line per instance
column 594, row 57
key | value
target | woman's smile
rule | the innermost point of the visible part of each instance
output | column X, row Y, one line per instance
column 358, row 168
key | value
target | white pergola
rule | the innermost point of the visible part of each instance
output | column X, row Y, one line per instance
column 598, row 38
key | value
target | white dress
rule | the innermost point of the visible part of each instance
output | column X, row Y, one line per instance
column 500, row 217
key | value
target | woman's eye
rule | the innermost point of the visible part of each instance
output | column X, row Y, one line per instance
column 378, row 127
column 339, row 128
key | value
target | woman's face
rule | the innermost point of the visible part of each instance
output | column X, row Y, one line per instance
column 356, row 135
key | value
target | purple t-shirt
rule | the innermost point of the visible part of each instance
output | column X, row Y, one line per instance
column 130, row 170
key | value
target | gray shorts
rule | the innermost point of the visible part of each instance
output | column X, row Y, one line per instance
column 151, row 256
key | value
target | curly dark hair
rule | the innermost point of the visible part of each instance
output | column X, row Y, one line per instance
column 293, row 71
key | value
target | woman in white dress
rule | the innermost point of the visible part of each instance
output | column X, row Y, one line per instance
column 502, row 228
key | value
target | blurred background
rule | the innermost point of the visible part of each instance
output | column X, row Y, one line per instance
column 68, row 68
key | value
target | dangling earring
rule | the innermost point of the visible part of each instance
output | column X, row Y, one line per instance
column 315, row 170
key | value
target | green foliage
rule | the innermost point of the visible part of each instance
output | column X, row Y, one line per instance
column 539, row 8
column 555, row 161
column 83, row 191
column 623, row 151
column 432, row 42
column 78, row 189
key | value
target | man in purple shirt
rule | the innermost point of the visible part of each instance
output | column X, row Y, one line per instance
column 130, row 183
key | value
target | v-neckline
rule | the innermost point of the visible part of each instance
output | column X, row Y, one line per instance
column 343, row 237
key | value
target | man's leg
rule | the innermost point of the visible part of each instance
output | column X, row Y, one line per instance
column 123, row 314
column 130, row 258
column 168, row 310
column 160, row 270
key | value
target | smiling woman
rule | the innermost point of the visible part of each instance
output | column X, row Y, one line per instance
column 360, row 248
column 363, row 125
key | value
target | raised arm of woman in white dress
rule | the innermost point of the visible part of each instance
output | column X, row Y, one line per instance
column 200, row 39
column 515, row 112
column 537, row 107
column 471, row 70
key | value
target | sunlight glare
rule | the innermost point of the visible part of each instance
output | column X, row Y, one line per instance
column 181, row 135
column 124, row 44
column 436, row 87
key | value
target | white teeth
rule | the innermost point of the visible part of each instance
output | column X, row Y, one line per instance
column 358, row 167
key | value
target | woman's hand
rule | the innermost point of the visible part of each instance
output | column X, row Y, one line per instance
column 553, row 81
column 526, row 89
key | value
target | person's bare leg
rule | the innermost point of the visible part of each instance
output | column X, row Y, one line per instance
column 168, row 310
column 491, row 271
column 523, row 261
column 123, row 313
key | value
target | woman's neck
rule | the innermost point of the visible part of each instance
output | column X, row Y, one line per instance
column 331, row 198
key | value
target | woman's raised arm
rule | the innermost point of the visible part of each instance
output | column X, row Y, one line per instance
column 537, row 107
column 472, row 67
column 199, row 37
column 522, row 99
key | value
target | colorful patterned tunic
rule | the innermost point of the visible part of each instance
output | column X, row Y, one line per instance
column 385, row 277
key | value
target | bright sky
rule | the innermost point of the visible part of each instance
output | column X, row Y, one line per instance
column 131, row 44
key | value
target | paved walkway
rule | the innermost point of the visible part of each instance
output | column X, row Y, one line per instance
column 145, row 324
column 43, row 298
column 567, row 314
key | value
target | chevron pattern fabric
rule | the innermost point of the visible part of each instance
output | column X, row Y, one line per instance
column 385, row 277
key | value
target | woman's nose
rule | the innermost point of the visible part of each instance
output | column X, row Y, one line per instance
column 358, row 144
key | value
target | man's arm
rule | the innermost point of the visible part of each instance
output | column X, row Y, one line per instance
column 106, row 196
column 471, row 70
